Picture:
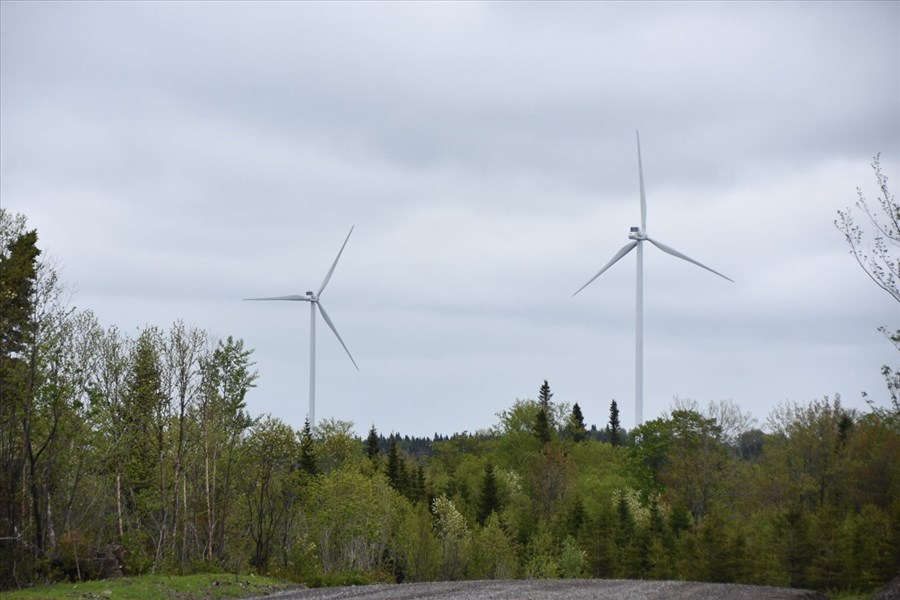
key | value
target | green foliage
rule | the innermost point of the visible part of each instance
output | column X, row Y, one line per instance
column 575, row 429
column 542, row 427
column 373, row 445
column 454, row 535
column 354, row 519
column 418, row 550
column 270, row 488
column 396, row 473
column 571, row 559
column 541, row 556
column 336, row 445
column 150, row 587
column 683, row 455
column 492, row 552
column 544, row 396
column 614, row 428
column 309, row 462
column 489, row 498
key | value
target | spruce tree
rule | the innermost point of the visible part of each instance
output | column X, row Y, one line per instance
column 418, row 491
column 143, row 412
column 395, row 469
column 18, row 280
column 614, row 427
column 544, row 396
column 309, row 463
column 373, row 445
column 542, row 420
column 576, row 429
column 489, row 499
column 542, row 427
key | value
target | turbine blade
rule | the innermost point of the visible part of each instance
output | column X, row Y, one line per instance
column 678, row 254
column 625, row 250
column 641, row 177
column 293, row 297
column 331, row 325
column 333, row 265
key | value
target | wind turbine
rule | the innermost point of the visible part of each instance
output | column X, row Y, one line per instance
column 638, row 235
column 314, row 301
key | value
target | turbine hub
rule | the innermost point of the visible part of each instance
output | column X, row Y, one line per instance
column 637, row 234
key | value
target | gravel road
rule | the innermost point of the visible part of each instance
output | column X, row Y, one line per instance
column 574, row 589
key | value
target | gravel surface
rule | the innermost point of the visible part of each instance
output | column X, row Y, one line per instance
column 574, row 589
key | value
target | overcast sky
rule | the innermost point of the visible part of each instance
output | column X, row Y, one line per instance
column 178, row 157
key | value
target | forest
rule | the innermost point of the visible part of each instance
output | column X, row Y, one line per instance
column 137, row 454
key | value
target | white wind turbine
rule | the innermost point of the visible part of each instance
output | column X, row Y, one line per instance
column 314, row 302
column 639, row 236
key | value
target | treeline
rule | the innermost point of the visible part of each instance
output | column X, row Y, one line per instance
column 138, row 453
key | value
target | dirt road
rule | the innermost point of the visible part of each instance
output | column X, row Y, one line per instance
column 552, row 590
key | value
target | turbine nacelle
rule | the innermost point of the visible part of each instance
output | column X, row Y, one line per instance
column 637, row 234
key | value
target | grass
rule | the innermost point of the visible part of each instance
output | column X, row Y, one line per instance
column 152, row 587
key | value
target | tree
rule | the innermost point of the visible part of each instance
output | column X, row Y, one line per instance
column 18, row 284
column 614, row 427
column 18, row 281
column 145, row 412
column 309, row 464
column 492, row 553
column 373, row 445
column 336, row 445
column 489, row 499
column 542, row 425
column 222, row 419
column 396, row 470
column 353, row 518
column 454, row 535
column 544, row 396
column 878, row 258
column 575, row 428
column 184, row 353
column 683, row 455
column 109, row 384
column 270, row 455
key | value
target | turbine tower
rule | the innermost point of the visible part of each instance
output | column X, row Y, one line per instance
column 314, row 301
column 638, row 235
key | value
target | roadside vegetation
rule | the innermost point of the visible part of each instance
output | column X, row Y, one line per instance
column 155, row 587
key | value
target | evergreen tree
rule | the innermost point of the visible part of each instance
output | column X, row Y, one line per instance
column 18, row 283
column 18, row 275
column 395, row 468
column 542, row 420
column 373, row 445
column 489, row 499
column 576, row 517
column 626, row 519
column 144, row 416
column 309, row 463
column 542, row 427
column 544, row 396
column 576, row 429
column 614, row 427
column 419, row 484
